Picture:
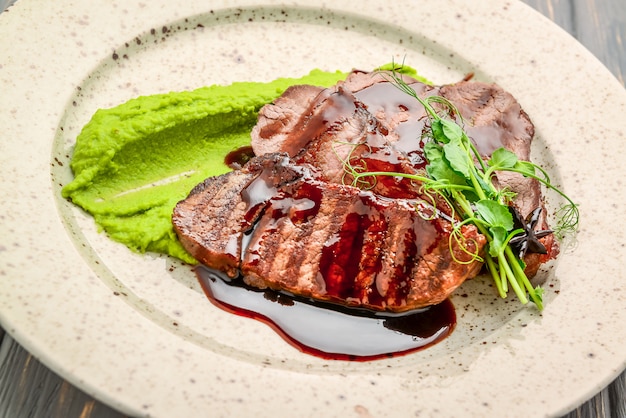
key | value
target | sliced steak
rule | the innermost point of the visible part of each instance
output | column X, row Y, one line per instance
column 282, row 117
column 364, row 110
column 368, row 123
column 211, row 221
column 287, row 229
column 493, row 119
column 337, row 130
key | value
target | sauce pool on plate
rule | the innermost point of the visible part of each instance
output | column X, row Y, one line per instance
column 329, row 331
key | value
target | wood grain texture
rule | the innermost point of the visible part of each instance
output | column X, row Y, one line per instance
column 29, row 389
column 599, row 25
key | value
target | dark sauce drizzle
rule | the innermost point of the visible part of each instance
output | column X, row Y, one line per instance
column 333, row 331
column 239, row 157
column 329, row 331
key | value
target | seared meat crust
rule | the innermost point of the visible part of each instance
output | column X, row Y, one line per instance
column 289, row 220
column 369, row 122
column 285, row 228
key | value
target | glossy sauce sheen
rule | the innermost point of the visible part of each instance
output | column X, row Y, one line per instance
column 391, row 101
column 352, row 263
column 356, row 119
column 239, row 157
column 329, row 331
column 386, row 101
column 315, row 328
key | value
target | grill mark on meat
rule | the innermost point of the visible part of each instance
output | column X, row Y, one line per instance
column 408, row 250
column 359, row 239
column 323, row 112
column 317, row 239
column 336, row 267
column 286, row 250
column 281, row 117
column 199, row 220
column 198, row 225
column 309, row 234
column 495, row 118
column 300, row 207
column 390, row 127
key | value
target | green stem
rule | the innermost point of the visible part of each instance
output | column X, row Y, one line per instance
column 519, row 272
column 493, row 269
column 462, row 202
column 426, row 180
column 478, row 188
column 477, row 155
column 506, row 266
column 473, row 172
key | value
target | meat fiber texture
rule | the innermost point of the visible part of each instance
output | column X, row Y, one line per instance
column 368, row 122
column 292, row 221
column 282, row 227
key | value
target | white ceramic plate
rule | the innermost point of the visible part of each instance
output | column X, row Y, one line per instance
column 137, row 332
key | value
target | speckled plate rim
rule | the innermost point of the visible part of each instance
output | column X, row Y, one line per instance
column 55, row 304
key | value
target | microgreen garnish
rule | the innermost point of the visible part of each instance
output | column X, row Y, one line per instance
column 457, row 173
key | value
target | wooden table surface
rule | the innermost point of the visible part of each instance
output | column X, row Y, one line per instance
column 29, row 389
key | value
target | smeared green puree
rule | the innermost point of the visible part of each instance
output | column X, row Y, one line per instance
column 134, row 162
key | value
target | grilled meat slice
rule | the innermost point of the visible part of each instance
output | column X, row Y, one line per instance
column 370, row 124
column 212, row 220
column 293, row 231
column 494, row 119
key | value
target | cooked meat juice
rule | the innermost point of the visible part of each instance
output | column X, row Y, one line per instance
column 133, row 162
column 191, row 136
column 331, row 331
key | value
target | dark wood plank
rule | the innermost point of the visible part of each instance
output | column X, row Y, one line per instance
column 599, row 25
column 37, row 392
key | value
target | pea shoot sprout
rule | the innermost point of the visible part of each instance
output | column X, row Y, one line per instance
column 456, row 171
